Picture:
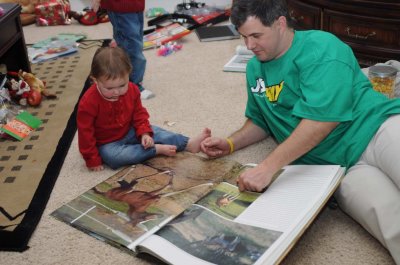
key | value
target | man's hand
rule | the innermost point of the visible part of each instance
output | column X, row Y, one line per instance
column 255, row 179
column 147, row 141
column 215, row 147
column 95, row 5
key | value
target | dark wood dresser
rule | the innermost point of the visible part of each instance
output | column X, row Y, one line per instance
column 370, row 27
column 13, row 51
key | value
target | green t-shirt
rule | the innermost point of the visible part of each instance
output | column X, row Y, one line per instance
column 318, row 78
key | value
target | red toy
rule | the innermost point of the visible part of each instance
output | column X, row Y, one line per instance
column 88, row 17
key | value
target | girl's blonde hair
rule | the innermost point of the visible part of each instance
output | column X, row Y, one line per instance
column 110, row 63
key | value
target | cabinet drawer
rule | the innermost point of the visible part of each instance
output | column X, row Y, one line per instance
column 371, row 31
column 9, row 32
column 304, row 16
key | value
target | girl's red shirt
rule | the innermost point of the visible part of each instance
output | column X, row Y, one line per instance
column 101, row 121
column 123, row 6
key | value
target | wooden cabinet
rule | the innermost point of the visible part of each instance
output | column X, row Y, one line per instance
column 13, row 51
column 370, row 27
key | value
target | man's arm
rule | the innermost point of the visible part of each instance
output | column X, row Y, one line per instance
column 247, row 135
column 307, row 135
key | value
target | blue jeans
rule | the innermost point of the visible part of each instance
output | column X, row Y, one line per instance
column 128, row 150
column 128, row 33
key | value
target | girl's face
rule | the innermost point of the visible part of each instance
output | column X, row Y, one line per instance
column 112, row 89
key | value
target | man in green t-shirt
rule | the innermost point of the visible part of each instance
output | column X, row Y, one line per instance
column 306, row 89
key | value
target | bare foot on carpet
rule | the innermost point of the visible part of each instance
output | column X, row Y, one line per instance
column 165, row 149
column 193, row 145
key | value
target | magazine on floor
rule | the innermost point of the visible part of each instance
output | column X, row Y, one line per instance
column 188, row 210
column 239, row 61
column 52, row 48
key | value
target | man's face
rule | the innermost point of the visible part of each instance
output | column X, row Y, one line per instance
column 265, row 42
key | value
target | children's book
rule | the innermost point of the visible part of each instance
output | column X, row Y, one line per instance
column 21, row 125
column 239, row 61
column 216, row 33
column 61, row 37
column 164, row 35
column 188, row 210
column 53, row 47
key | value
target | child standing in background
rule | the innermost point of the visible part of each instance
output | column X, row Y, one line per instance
column 126, row 17
column 113, row 126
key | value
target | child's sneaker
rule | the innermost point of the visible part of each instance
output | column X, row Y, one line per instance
column 146, row 94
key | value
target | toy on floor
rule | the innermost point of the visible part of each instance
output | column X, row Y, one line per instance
column 20, row 92
column 36, row 84
column 26, row 89
column 169, row 48
column 155, row 12
column 88, row 17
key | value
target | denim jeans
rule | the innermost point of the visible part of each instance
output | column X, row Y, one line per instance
column 128, row 33
column 128, row 150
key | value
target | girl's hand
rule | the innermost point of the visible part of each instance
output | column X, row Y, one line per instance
column 147, row 141
column 97, row 168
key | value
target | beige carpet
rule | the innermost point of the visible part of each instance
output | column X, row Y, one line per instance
column 192, row 92
column 23, row 163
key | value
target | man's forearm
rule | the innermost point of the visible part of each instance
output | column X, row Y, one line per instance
column 305, row 137
column 247, row 135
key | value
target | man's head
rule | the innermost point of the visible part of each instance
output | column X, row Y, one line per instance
column 264, row 26
column 267, row 11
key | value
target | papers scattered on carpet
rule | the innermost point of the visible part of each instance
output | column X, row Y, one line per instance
column 239, row 61
column 53, row 47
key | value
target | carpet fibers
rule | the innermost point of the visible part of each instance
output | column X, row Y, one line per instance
column 27, row 176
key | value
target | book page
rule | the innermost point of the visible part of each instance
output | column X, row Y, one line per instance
column 231, row 227
column 161, row 248
column 292, row 194
column 138, row 200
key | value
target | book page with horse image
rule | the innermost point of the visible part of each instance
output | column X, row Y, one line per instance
column 138, row 200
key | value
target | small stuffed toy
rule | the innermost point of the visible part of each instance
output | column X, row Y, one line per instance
column 88, row 17
column 169, row 48
column 19, row 91
column 36, row 84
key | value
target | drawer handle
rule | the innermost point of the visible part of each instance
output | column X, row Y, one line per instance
column 295, row 19
column 356, row 36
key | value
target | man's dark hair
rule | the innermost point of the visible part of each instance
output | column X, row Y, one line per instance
column 267, row 11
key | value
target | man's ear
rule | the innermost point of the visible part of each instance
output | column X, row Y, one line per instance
column 282, row 22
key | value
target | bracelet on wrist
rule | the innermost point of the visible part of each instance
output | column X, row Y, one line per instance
column 231, row 146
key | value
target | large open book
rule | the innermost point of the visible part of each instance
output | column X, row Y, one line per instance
column 187, row 210
column 239, row 61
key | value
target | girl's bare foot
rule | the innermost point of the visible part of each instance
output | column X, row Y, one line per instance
column 193, row 145
column 165, row 149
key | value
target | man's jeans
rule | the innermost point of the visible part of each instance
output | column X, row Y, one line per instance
column 129, row 151
column 128, row 33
